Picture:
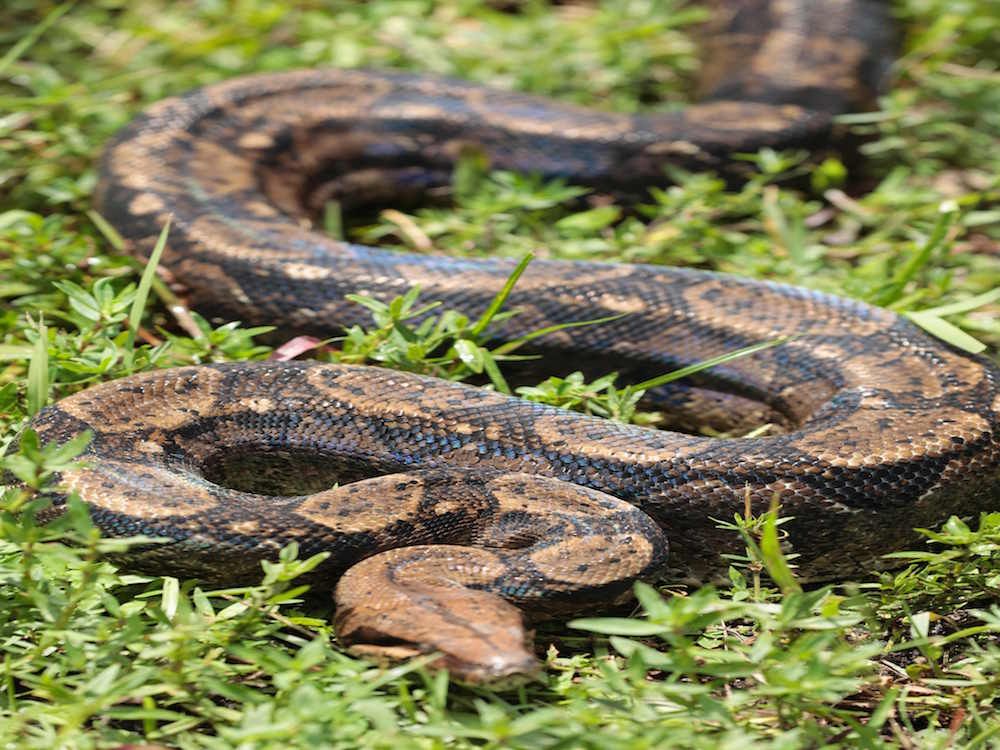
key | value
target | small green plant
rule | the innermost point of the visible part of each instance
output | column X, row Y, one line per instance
column 602, row 398
column 449, row 345
column 960, row 567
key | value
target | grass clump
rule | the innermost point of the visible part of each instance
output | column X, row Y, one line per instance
column 95, row 657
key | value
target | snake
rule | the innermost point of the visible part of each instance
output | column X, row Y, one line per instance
column 452, row 517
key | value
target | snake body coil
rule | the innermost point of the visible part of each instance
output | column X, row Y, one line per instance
column 885, row 429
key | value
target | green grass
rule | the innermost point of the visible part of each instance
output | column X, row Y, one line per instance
column 94, row 657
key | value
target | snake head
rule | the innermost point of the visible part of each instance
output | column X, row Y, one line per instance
column 419, row 600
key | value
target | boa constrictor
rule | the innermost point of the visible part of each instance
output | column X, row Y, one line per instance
column 455, row 503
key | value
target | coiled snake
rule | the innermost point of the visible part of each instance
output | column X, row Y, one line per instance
column 500, row 500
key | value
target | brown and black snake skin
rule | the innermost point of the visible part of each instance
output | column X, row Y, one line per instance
column 464, row 506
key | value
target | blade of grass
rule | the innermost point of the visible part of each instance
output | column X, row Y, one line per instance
column 333, row 220
column 502, row 295
column 946, row 331
column 109, row 232
column 710, row 362
column 966, row 305
column 932, row 320
column 24, row 44
column 518, row 342
column 142, row 292
column 789, row 231
column 893, row 291
column 38, row 371
column 770, row 548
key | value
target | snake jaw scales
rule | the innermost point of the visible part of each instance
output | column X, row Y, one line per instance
column 503, row 506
